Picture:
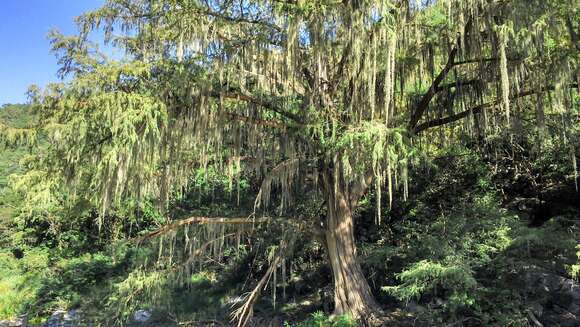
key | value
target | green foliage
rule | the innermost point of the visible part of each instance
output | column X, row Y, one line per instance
column 319, row 319
column 554, row 240
column 449, row 251
column 39, row 284
column 434, row 20
column 456, row 255
column 427, row 277
column 21, row 280
column 17, row 130
column 18, row 117
column 574, row 269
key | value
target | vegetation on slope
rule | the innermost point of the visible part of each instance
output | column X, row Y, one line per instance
column 451, row 253
column 264, row 160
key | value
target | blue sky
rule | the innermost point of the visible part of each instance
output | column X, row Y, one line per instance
column 25, row 56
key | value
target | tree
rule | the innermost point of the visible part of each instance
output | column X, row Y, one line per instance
column 337, row 96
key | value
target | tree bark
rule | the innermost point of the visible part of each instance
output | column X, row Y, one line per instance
column 352, row 293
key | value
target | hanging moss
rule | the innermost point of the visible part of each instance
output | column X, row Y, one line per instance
column 505, row 84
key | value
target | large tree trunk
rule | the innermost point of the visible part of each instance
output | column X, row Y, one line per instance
column 352, row 294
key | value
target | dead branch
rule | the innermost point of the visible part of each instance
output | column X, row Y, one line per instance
column 244, row 313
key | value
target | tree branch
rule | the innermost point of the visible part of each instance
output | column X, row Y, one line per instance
column 424, row 103
column 359, row 187
column 201, row 221
column 475, row 60
column 241, row 19
column 257, row 121
column 480, row 60
column 478, row 109
column 270, row 105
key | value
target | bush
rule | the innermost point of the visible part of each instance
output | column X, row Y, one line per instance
column 449, row 249
column 426, row 277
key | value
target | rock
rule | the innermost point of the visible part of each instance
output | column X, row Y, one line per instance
column 554, row 282
column 22, row 321
column 71, row 318
column 142, row 316
column 566, row 294
column 59, row 318
column 71, row 315
column 55, row 319
column 562, row 317
column 574, row 308
column 415, row 307
column 556, row 299
column 571, row 287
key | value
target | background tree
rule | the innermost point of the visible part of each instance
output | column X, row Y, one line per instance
column 335, row 96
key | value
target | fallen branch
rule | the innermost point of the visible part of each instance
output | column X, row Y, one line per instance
column 535, row 320
column 244, row 313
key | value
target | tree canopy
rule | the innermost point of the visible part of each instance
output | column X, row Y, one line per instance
column 334, row 96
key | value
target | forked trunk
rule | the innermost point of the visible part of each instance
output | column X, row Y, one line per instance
column 352, row 294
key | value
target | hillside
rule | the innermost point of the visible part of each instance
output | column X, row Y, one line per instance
column 479, row 248
column 298, row 163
